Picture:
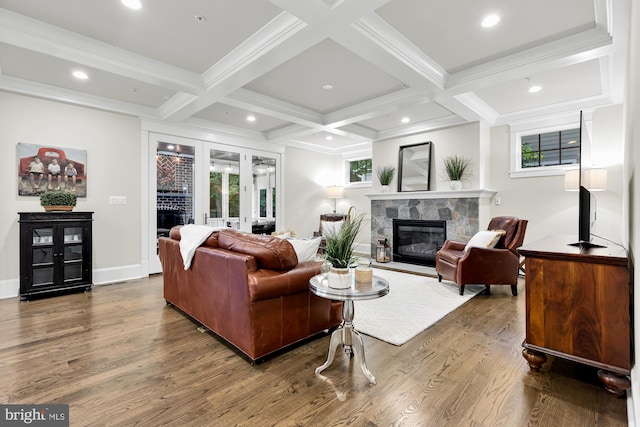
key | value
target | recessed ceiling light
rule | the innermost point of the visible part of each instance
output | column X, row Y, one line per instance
column 490, row 20
column 171, row 146
column 329, row 138
column 405, row 120
column 132, row 4
column 80, row 75
column 327, row 87
column 534, row 89
column 251, row 118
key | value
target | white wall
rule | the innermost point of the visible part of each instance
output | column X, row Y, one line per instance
column 630, row 188
column 113, row 169
column 461, row 140
column 307, row 174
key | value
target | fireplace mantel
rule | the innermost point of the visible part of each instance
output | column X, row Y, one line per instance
column 457, row 194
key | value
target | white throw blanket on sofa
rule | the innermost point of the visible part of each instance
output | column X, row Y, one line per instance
column 192, row 236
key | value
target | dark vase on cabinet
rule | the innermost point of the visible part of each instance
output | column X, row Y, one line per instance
column 55, row 253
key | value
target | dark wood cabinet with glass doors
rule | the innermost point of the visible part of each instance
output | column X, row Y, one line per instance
column 55, row 253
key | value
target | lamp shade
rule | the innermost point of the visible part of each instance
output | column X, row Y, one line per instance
column 572, row 180
column 596, row 179
column 335, row 192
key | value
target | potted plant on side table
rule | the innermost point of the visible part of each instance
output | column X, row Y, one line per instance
column 339, row 250
column 385, row 176
column 457, row 168
column 58, row 201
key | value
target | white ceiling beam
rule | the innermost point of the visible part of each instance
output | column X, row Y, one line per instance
column 478, row 106
column 54, row 93
column 263, row 104
column 289, row 37
column 375, row 107
column 421, row 127
column 590, row 44
column 37, row 36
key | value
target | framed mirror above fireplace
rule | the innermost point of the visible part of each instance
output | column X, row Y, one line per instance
column 414, row 167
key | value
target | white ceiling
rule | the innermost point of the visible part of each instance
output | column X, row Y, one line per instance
column 428, row 60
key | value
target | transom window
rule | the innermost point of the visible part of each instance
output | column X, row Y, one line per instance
column 550, row 148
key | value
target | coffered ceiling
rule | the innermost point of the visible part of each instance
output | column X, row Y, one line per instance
column 326, row 75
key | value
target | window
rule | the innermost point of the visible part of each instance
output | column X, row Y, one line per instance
column 359, row 171
column 550, row 149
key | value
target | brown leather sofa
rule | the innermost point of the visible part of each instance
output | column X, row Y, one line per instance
column 248, row 289
column 485, row 266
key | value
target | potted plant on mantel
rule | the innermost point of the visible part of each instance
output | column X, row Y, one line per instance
column 385, row 176
column 457, row 168
column 58, row 201
column 339, row 250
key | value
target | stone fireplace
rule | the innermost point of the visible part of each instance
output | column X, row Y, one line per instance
column 463, row 213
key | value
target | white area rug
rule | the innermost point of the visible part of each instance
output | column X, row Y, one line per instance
column 412, row 305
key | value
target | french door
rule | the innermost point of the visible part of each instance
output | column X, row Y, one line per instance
column 199, row 182
column 242, row 189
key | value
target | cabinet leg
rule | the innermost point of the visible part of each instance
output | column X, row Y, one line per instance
column 535, row 359
column 615, row 384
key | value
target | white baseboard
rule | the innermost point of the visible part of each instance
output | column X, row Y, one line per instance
column 105, row 276
column 11, row 288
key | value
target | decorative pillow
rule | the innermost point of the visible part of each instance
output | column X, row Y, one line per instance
column 306, row 249
column 331, row 227
column 485, row 239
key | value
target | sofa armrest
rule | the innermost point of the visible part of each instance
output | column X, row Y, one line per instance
column 453, row 245
column 266, row 284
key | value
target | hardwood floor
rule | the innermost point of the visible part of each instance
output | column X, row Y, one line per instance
column 120, row 356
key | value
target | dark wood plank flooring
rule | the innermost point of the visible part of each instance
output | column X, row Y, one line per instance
column 120, row 356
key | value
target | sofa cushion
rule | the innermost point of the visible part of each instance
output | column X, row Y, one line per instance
column 270, row 252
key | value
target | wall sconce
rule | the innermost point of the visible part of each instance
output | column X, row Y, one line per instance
column 335, row 192
column 594, row 179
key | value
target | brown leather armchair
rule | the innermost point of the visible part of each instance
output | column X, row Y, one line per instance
column 485, row 266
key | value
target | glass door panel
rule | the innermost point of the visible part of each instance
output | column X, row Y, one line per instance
column 264, row 194
column 175, row 189
column 175, row 186
column 224, row 188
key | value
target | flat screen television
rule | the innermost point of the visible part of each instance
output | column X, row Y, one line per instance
column 586, row 199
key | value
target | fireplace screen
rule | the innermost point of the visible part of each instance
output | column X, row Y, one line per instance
column 417, row 241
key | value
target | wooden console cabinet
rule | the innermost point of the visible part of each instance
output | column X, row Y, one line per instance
column 55, row 252
column 578, row 307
